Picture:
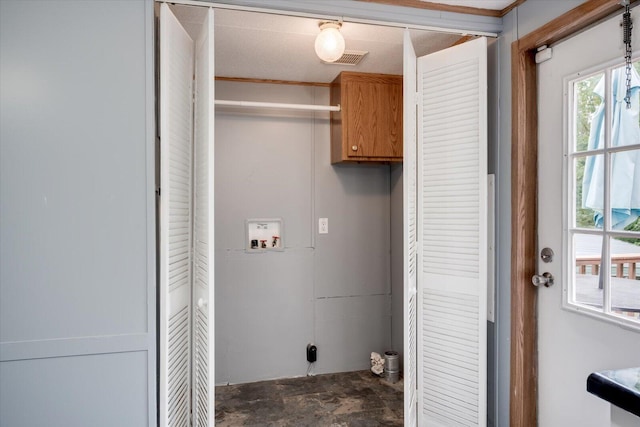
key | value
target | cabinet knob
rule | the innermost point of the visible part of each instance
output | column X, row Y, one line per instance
column 354, row 147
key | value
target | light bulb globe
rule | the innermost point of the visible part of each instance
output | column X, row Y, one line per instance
column 329, row 43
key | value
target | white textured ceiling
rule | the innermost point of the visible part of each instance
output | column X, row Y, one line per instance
column 269, row 46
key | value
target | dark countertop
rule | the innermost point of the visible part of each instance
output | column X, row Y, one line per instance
column 620, row 387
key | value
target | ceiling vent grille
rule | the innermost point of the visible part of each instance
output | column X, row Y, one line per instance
column 350, row 57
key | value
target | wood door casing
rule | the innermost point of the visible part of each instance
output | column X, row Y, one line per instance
column 524, row 123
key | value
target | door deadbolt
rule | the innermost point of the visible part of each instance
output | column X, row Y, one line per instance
column 545, row 279
column 546, row 254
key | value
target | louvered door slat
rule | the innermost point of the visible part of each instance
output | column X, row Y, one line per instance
column 203, row 257
column 176, row 71
column 410, row 235
column 452, row 236
column 186, row 223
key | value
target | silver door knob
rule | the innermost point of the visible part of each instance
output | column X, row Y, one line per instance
column 545, row 279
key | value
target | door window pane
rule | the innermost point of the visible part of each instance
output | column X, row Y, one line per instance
column 589, row 110
column 625, row 186
column 625, row 283
column 588, row 289
column 589, row 191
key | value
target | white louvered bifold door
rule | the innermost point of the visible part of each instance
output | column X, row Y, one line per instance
column 203, row 283
column 452, row 213
column 176, row 126
column 409, row 176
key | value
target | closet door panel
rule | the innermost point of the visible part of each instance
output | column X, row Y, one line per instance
column 176, row 136
column 410, row 233
column 203, row 250
column 452, row 260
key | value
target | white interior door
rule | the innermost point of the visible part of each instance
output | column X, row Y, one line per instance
column 203, row 228
column 452, row 236
column 578, row 340
column 176, row 141
column 409, row 177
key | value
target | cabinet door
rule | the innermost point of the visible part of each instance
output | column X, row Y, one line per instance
column 374, row 108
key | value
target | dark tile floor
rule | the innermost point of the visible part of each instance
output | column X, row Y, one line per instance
column 346, row 399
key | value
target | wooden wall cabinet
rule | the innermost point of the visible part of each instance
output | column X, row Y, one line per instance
column 369, row 126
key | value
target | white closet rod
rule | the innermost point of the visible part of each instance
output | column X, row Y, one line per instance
column 308, row 107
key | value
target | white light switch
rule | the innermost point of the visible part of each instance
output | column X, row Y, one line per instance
column 323, row 225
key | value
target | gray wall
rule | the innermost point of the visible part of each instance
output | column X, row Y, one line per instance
column 333, row 289
column 77, row 248
column 397, row 261
column 493, row 86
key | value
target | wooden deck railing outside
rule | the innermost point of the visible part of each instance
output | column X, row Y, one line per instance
column 620, row 261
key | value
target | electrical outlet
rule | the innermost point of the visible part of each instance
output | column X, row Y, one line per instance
column 323, row 225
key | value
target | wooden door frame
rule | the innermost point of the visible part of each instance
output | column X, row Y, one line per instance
column 524, row 157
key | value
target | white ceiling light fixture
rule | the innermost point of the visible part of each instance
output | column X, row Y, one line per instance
column 329, row 43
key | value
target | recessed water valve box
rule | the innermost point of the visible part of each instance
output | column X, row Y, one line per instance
column 264, row 234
